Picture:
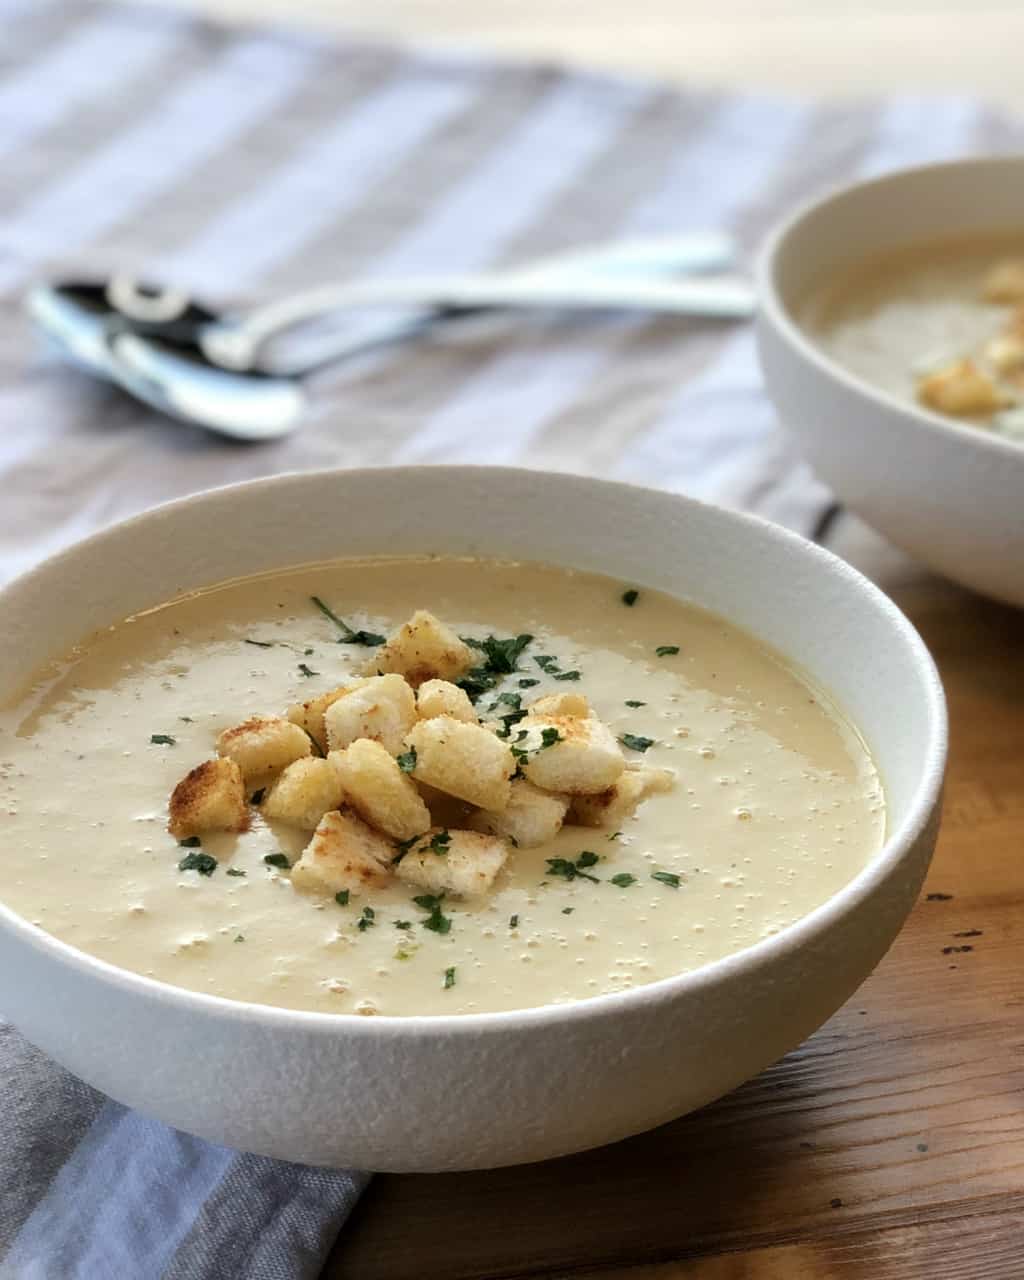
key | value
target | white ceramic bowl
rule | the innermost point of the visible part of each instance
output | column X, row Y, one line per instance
column 951, row 495
column 490, row 1089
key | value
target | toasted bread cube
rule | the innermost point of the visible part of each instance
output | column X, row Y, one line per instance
column 303, row 793
column 422, row 649
column 442, row 698
column 561, row 704
column 344, row 853
column 379, row 791
column 1005, row 352
column 532, row 817
column 961, row 390
column 467, row 867
column 381, row 708
column 465, row 760
column 211, row 797
column 263, row 744
column 584, row 760
column 611, row 807
column 1005, row 281
column 310, row 715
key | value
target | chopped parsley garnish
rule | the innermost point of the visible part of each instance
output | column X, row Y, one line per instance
column 567, row 911
column 348, row 636
column 307, row 671
column 367, row 920
column 276, row 860
column 190, row 842
column 569, row 870
column 407, row 760
column 548, row 738
column 630, row 597
column 449, row 978
column 500, row 659
column 260, row 644
column 436, row 921
column 513, row 922
column 201, row 862
column 527, row 683
column 185, row 719
column 402, row 848
column 623, row 880
column 257, row 796
column 614, row 835
column 307, row 652
column 567, row 675
column 440, row 842
column 341, row 897
column 666, row 877
column 234, row 871
column 239, row 937
column 403, row 924
column 666, row 650
column 549, row 664
column 636, row 741
column 632, row 702
column 162, row 740
column 509, row 718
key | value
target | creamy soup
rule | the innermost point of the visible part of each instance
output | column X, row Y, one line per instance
column 942, row 324
column 775, row 803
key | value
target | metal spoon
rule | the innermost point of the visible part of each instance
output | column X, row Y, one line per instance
column 200, row 367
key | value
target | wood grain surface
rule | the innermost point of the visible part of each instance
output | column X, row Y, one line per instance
column 890, row 1146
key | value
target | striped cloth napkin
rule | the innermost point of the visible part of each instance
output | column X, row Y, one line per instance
column 243, row 164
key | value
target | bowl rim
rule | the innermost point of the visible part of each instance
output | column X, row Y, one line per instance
column 775, row 311
column 898, row 843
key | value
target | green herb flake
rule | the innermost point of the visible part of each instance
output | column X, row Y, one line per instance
column 588, row 859
column 277, row 860
column 162, row 740
column 569, row 870
column 666, row 650
column 257, row 796
column 567, row 675
column 185, row 719
column 201, row 862
column 666, row 877
column 342, row 897
column 614, row 835
column 440, row 842
column 234, row 871
column 501, row 655
column 306, row 671
column 436, row 921
column 546, row 661
column 527, row 683
column 190, row 842
column 348, row 636
column 567, row 911
column 548, row 738
column 407, row 760
column 239, row 937
column 632, row 702
column 402, row 847
column 259, row 644
column 449, row 978
column 636, row 741
column 513, row 922
column 367, row 920
column 403, row 924
column 630, row 597
column 623, row 880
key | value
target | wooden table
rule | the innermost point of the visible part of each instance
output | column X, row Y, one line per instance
column 890, row 1146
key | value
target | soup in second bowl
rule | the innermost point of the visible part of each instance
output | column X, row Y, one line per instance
column 423, row 786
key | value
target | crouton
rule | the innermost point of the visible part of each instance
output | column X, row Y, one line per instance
column 584, row 759
column 379, row 791
column 561, row 704
column 310, row 715
column 532, row 817
column 209, row 798
column 422, row 649
column 303, row 793
column 263, row 745
column 464, row 863
column 344, row 853
column 1005, row 281
column 441, row 698
column 961, row 390
column 465, row 760
column 609, row 808
column 381, row 708
column 1005, row 352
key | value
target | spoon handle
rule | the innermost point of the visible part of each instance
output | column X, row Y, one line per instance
column 619, row 275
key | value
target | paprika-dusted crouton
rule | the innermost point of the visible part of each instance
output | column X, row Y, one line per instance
column 303, row 793
column 263, row 744
column 1005, row 281
column 211, row 797
column 561, row 704
column 465, row 760
column 569, row 754
column 461, row 862
column 379, row 791
column 532, row 817
column 442, row 698
column 961, row 390
column 382, row 708
column 344, row 853
column 610, row 807
column 310, row 715
column 422, row 649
